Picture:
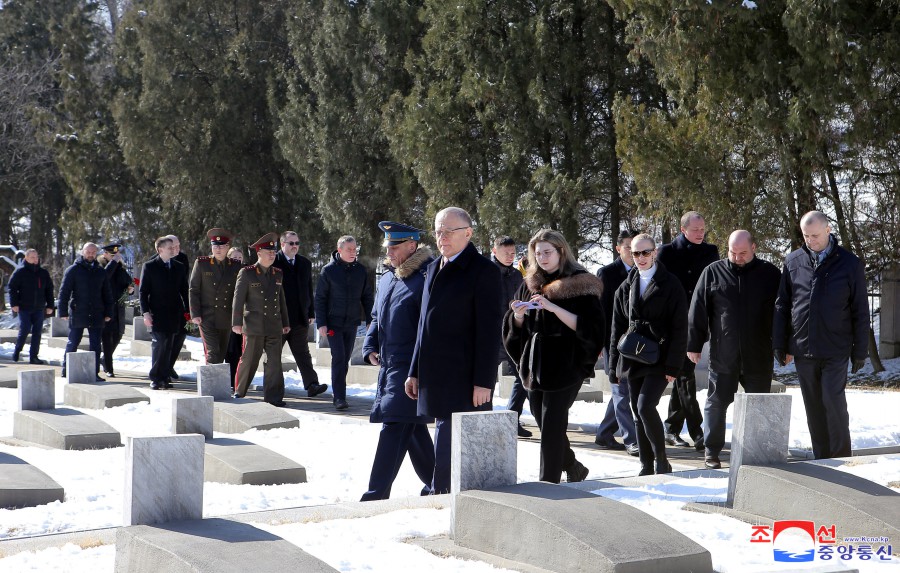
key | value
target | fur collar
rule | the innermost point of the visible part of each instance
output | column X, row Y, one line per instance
column 415, row 261
column 579, row 284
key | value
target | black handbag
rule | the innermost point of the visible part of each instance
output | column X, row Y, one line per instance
column 530, row 363
column 636, row 346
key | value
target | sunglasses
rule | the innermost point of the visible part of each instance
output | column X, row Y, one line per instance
column 292, row 243
column 646, row 253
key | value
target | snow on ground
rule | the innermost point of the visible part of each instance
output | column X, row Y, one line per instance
column 337, row 453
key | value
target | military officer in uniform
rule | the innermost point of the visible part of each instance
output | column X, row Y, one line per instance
column 260, row 314
column 121, row 284
column 211, row 293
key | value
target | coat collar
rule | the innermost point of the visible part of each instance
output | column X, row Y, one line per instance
column 420, row 258
column 581, row 283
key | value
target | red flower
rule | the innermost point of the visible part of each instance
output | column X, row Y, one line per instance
column 137, row 281
column 330, row 333
column 187, row 316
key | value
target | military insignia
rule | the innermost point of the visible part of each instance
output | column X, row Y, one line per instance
column 387, row 227
column 255, row 284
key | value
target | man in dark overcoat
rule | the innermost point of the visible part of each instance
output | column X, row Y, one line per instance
column 121, row 285
column 686, row 257
column 164, row 304
column 454, row 365
column 259, row 313
column 86, row 301
column 211, row 292
column 298, row 293
column 732, row 307
column 389, row 343
column 31, row 296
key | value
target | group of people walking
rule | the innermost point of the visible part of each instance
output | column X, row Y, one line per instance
column 439, row 324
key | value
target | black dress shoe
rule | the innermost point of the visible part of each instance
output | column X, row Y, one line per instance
column 167, row 385
column 279, row 404
column 110, row 373
column 699, row 445
column 676, row 440
column 236, row 396
column 341, row 405
column 608, row 444
column 523, row 433
column 315, row 390
column 16, row 355
column 154, row 386
column 36, row 361
column 97, row 378
column 664, row 468
column 173, row 375
column 633, row 450
column 62, row 372
column 712, row 462
column 577, row 472
column 646, row 470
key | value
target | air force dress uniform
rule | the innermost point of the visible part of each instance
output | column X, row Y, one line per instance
column 211, row 294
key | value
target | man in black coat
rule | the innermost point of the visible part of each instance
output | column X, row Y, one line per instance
column 121, row 285
column 86, row 301
column 732, row 307
column 822, row 321
column 343, row 297
column 686, row 257
column 31, row 296
column 164, row 303
column 618, row 411
column 454, row 365
column 503, row 254
column 298, row 293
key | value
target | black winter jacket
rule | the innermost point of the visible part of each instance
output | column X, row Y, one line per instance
column 164, row 294
column 567, row 356
column 343, row 294
column 297, row 287
column 732, row 307
column 686, row 261
column 85, row 296
column 663, row 311
column 511, row 279
column 30, row 288
column 612, row 275
column 822, row 312
column 119, row 281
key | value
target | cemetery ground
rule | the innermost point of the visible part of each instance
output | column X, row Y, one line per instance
column 407, row 532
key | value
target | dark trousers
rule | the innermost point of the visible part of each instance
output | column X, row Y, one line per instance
column 683, row 406
column 443, row 432
column 518, row 394
column 215, row 343
column 161, row 350
column 551, row 412
column 30, row 322
column 110, row 341
column 273, row 376
column 618, row 415
column 341, row 344
column 177, row 345
column 394, row 441
column 822, row 384
column 296, row 339
column 233, row 354
column 75, row 336
column 720, row 395
column 645, row 394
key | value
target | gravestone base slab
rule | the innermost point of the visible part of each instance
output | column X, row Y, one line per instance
column 99, row 396
column 23, row 485
column 239, row 416
column 240, row 462
column 64, row 429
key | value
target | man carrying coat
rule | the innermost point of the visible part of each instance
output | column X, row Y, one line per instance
column 732, row 307
column 164, row 303
column 86, row 301
column 31, row 296
column 454, row 364
column 389, row 343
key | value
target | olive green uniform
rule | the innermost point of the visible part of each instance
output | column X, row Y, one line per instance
column 211, row 294
column 260, row 308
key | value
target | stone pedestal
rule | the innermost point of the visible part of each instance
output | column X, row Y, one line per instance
column 59, row 327
column 214, row 380
column 37, row 390
column 81, row 367
column 311, row 333
column 140, row 331
column 760, row 434
column 153, row 493
column 890, row 313
column 483, row 452
column 193, row 416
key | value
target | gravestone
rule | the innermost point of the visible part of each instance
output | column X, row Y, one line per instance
column 889, row 346
column 214, row 380
column 153, row 494
column 59, row 327
column 81, row 367
column 760, row 434
column 193, row 416
column 37, row 389
column 140, row 331
column 482, row 452
column 23, row 485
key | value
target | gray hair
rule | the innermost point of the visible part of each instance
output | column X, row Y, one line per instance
column 345, row 239
column 458, row 212
column 814, row 217
column 688, row 217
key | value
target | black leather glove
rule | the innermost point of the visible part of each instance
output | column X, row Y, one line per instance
column 780, row 357
column 856, row 365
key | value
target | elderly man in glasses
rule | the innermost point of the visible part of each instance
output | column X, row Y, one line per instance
column 454, row 364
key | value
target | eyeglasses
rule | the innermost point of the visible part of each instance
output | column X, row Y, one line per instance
column 448, row 232
column 646, row 253
column 544, row 254
column 292, row 243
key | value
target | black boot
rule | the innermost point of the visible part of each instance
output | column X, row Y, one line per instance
column 646, row 470
column 16, row 354
column 576, row 472
column 663, row 466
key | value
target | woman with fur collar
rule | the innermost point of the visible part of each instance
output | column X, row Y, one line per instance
column 554, row 330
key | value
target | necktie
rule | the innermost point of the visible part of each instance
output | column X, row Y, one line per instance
column 292, row 262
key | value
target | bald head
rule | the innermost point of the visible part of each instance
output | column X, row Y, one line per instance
column 816, row 231
column 89, row 251
column 741, row 247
